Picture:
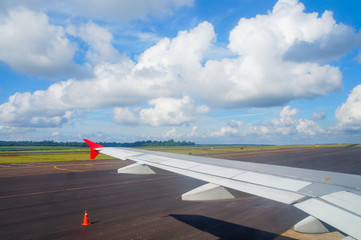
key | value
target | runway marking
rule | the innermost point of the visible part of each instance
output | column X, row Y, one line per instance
column 44, row 166
column 13, row 167
column 68, row 170
column 82, row 188
column 80, row 164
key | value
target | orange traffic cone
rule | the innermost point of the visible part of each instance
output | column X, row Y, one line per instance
column 86, row 220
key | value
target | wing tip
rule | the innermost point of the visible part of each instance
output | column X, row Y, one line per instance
column 93, row 145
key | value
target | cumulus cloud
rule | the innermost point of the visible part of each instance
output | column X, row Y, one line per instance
column 230, row 129
column 180, row 132
column 308, row 127
column 348, row 115
column 100, row 41
column 124, row 116
column 31, row 45
column 40, row 109
column 21, row 111
column 260, row 76
column 166, row 111
column 172, row 133
column 173, row 74
column 124, row 83
column 286, row 125
column 194, row 131
column 178, row 59
column 334, row 45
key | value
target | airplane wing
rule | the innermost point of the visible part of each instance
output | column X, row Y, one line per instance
column 333, row 198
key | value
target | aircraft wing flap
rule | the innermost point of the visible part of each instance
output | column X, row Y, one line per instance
column 332, row 214
column 206, row 173
column 347, row 200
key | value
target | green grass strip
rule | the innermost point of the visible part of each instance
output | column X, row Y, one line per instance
column 33, row 158
column 41, row 149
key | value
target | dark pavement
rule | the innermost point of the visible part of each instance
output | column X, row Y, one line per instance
column 43, row 202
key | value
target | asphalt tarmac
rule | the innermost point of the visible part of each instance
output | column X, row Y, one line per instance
column 47, row 201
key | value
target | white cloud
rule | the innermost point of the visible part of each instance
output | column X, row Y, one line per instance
column 166, row 111
column 49, row 121
column 124, row 116
column 288, row 124
column 100, row 41
column 31, row 45
column 285, row 125
column 339, row 42
column 170, row 111
column 348, row 115
column 308, row 127
column 260, row 76
column 288, row 115
column 180, row 132
column 124, row 83
column 231, row 129
column 178, row 59
column 194, row 130
column 172, row 133
column 55, row 134
column 40, row 109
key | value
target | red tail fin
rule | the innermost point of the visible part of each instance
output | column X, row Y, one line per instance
column 92, row 145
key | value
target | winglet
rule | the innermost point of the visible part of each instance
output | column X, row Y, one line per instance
column 92, row 145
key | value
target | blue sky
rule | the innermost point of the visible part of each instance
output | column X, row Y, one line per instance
column 237, row 71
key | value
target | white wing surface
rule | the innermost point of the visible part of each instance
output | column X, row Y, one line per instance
column 333, row 198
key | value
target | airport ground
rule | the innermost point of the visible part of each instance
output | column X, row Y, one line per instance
column 48, row 200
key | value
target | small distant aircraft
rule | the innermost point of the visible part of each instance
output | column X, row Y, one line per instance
column 333, row 198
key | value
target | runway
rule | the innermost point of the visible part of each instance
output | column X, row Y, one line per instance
column 47, row 201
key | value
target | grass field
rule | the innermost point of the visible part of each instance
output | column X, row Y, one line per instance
column 199, row 150
column 44, row 154
column 59, row 157
column 40, row 149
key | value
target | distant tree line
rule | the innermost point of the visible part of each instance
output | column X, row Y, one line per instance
column 42, row 143
column 169, row 143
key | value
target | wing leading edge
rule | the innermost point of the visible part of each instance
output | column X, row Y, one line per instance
column 334, row 198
